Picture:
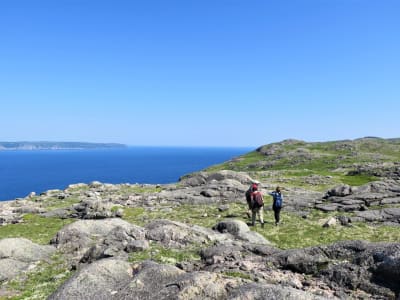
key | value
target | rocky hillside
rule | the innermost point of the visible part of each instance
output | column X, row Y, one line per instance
column 321, row 165
column 191, row 240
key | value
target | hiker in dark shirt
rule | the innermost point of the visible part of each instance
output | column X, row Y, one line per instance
column 277, row 203
column 257, row 205
column 251, row 189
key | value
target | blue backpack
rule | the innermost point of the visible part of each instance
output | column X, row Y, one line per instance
column 277, row 200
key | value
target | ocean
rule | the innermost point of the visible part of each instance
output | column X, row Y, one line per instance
column 22, row 172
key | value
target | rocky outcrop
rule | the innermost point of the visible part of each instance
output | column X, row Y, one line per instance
column 19, row 254
column 148, row 280
column 88, row 240
column 370, row 202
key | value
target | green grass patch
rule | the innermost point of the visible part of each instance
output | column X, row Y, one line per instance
column 240, row 164
column 55, row 203
column 237, row 274
column 41, row 282
column 357, row 180
column 296, row 232
column 38, row 229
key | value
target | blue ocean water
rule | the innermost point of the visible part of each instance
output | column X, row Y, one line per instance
column 22, row 172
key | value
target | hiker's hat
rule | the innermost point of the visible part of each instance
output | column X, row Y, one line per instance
column 254, row 186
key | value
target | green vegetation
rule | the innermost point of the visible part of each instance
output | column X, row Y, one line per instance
column 35, row 228
column 41, row 282
column 296, row 161
column 237, row 274
column 295, row 232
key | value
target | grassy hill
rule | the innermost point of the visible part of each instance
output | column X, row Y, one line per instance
column 319, row 165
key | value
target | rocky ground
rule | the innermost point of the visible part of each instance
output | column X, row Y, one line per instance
column 108, row 257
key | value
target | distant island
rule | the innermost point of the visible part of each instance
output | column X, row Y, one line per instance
column 4, row 146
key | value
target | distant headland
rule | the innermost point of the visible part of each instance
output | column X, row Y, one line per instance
column 4, row 146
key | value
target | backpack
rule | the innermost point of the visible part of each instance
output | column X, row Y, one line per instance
column 257, row 199
column 277, row 200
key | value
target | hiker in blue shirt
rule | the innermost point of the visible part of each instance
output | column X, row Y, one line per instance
column 277, row 203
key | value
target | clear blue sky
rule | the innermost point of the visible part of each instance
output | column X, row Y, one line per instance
column 199, row 73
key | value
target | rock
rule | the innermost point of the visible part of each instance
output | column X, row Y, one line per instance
column 19, row 254
column 176, row 234
column 223, row 207
column 340, row 191
column 330, row 222
column 270, row 291
column 77, row 239
column 240, row 231
column 100, row 280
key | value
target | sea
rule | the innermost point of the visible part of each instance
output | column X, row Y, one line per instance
column 26, row 171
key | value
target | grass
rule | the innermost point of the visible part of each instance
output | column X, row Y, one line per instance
column 40, row 282
column 237, row 274
column 54, row 203
column 295, row 232
column 324, row 158
column 38, row 229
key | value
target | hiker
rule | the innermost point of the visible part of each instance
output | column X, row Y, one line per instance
column 257, row 204
column 248, row 193
column 277, row 203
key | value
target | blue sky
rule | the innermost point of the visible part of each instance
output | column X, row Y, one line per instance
column 199, row 73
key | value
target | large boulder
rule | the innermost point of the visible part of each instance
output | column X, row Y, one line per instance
column 100, row 280
column 176, row 234
column 239, row 230
column 99, row 237
column 19, row 254
column 24, row 250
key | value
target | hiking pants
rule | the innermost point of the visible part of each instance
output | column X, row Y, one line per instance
column 277, row 211
column 257, row 212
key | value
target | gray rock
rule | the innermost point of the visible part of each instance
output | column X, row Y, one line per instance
column 100, row 280
column 77, row 238
column 24, row 250
column 270, row 291
column 176, row 234
column 19, row 254
column 240, row 231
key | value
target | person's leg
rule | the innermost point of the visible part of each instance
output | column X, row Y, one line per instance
column 249, row 213
column 253, row 216
column 261, row 216
column 277, row 216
